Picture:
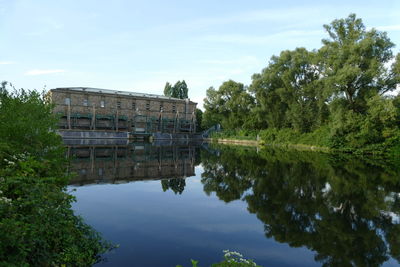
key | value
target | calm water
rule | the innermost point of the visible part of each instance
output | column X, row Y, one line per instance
column 166, row 204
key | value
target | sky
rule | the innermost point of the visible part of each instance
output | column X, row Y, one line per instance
column 140, row 45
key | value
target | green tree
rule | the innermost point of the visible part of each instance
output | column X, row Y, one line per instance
column 37, row 224
column 287, row 92
column 179, row 90
column 211, row 115
column 177, row 185
column 199, row 120
column 229, row 106
column 355, row 63
column 26, row 121
column 168, row 89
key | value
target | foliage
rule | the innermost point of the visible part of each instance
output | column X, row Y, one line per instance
column 234, row 259
column 242, row 134
column 27, row 122
column 354, row 61
column 199, row 120
column 301, row 94
column 319, row 137
column 227, row 105
column 37, row 224
column 177, row 185
column 179, row 90
column 287, row 92
column 212, row 114
column 231, row 259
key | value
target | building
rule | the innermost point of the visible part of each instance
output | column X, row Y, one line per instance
column 126, row 163
column 110, row 110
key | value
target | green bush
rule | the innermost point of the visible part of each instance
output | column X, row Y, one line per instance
column 27, row 122
column 240, row 134
column 37, row 224
column 319, row 137
column 231, row 259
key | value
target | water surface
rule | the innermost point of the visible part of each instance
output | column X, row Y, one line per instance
column 166, row 204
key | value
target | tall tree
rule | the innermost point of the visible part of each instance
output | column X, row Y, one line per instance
column 199, row 119
column 229, row 105
column 179, row 90
column 287, row 92
column 211, row 115
column 168, row 89
column 355, row 62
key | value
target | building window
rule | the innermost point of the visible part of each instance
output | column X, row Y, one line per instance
column 118, row 104
column 85, row 102
column 102, row 104
column 148, row 105
column 173, row 108
column 68, row 101
column 133, row 105
column 161, row 106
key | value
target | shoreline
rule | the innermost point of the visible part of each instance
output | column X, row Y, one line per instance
column 233, row 141
column 298, row 147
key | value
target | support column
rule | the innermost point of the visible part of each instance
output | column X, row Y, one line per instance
column 69, row 116
column 176, row 122
column 92, row 158
column 116, row 122
column 194, row 122
column 94, row 117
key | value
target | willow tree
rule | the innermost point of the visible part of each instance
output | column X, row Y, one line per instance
column 179, row 90
column 356, row 62
column 229, row 105
column 287, row 92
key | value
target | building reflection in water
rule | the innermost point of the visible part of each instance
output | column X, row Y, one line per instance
column 98, row 161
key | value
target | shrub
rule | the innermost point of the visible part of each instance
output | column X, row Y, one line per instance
column 37, row 224
column 231, row 259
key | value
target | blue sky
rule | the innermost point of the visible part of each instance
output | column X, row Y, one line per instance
column 139, row 45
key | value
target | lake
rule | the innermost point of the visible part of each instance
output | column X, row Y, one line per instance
column 165, row 204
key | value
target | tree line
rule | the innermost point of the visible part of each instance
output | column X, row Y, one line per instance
column 339, row 91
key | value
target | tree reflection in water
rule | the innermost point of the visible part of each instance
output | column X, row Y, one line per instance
column 177, row 185
column 343, row 208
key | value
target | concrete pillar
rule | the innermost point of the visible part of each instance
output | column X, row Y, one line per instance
column 116, row 122
column 94, row 117
column 92, row 158
column 186, row 108
column 176, row 122
column 69, row 116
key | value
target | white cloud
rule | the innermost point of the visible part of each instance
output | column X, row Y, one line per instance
column 6, row 62
column 41, row 72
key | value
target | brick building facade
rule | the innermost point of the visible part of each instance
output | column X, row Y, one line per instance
column 104, row 109
column 119, row 164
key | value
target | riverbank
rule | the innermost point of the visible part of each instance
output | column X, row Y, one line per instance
column 299, row 147
column 303, row 147
column 234, row 141
column 320, row 140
